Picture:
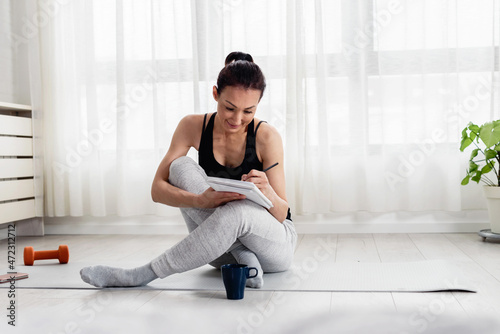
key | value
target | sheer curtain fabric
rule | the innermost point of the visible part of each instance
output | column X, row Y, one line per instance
column 369, row 96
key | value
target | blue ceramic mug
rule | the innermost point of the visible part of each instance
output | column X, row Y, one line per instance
column 235, row 277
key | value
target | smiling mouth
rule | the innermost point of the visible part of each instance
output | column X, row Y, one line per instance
column 232, row 126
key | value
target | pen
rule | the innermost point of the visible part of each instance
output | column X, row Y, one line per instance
column 268, row 168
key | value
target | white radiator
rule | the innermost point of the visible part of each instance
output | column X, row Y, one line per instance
column 17, row 199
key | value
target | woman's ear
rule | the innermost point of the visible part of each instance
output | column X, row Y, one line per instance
column 215, row 93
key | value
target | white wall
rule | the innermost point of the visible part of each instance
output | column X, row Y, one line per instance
column 14, row 80
column 20, row 55
column 6, row 56
column 14, row 70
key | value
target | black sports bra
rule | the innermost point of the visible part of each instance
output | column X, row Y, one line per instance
column 207, row 160
column 212, row 167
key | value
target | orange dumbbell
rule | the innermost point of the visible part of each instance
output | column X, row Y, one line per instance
column 30, row 256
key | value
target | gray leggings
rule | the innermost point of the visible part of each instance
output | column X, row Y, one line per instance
column 215, row 232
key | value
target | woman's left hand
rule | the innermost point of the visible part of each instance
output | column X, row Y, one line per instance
column 259, row 178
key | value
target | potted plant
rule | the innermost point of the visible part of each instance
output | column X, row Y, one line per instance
column 482, row 161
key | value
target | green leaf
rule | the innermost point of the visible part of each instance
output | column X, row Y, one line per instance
column 490, row 154
column 497, row 148
column 473, row 136
column 474, row 128
column 476, row 178
column 472, row 167
column 486, row 169
column 464, row 133
column 466, row 180
column 474, row 153
column 490, row 133
column 465, row 142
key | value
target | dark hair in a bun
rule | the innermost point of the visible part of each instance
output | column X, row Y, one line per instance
column 241, row 71
column 237, row 55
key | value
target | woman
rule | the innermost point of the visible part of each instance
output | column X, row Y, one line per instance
column 223, row 227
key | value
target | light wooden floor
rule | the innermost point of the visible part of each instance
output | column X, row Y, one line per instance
column 134, row 311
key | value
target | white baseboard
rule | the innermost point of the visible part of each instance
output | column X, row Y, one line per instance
column 358, row 222
column 32, row 227
column 26, row 227
column 390, row 228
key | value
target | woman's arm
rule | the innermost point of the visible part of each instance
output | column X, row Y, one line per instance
column 161, row 190
column 272, row 182
column 185, row 136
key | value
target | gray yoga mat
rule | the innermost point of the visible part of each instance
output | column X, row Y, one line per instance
column 421, row 276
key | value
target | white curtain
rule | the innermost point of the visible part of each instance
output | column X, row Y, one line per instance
column 369, row 96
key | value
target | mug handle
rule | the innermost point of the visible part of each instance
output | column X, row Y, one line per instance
column 256, row 272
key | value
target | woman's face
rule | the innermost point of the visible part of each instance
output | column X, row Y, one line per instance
column 236, row 107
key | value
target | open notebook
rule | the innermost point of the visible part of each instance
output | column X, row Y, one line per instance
column 248, row 189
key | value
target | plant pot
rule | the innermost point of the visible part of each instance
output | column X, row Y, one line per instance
column 493, row 197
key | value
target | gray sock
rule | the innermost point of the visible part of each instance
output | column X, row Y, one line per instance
column 245, row 256
column 104, row 276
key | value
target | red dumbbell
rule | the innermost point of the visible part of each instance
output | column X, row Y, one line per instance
column 30, row 256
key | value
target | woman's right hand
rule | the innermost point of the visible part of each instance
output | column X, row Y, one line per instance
column 212, row 199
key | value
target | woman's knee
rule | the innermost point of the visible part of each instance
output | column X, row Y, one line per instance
column 183, row 171
column 180, row 164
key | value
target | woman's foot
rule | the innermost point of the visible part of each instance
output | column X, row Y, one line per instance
column 104, row 276
column 245, row 256
column 257, row 282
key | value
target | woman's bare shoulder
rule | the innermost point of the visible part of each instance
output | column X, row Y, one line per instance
column 268, row 142
column 195, row 120
column 266, row 133
column 192, row 126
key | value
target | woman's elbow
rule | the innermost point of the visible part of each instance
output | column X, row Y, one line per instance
column 154, row 192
